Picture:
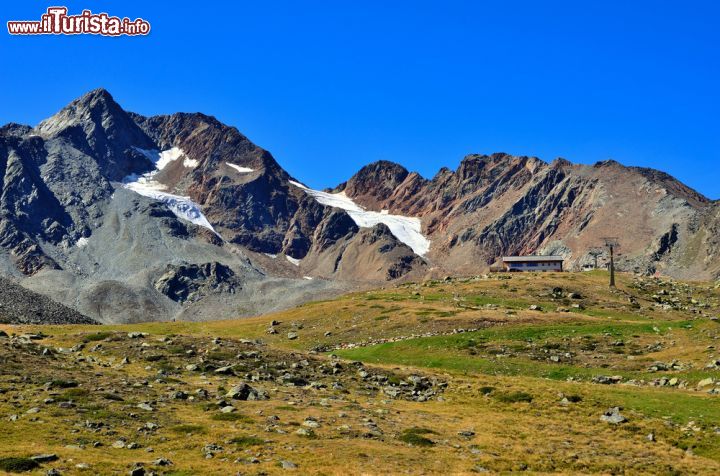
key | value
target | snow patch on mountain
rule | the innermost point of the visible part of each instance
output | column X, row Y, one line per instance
column 242, row 170
column 162, row 159
column 168, row 156
column 406, row 229
column 146, row 185
column 183, row 207
column 294, row 261
column 190, row 163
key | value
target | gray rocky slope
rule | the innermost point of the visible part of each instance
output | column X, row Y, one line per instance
column 238, row 236
column 19, row 305
column 69, row 229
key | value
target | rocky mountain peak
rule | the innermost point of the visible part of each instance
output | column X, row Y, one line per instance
column 97, row 126
column 13, row 129
column 376, row 181
column 90, row 108
column 477, row 168
column 561, row 162
column 607, row 163
column 205, row 139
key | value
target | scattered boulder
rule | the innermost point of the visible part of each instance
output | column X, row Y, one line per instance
column 244, row 392
column 607, row 380
column 137, row 471
column 706, row 382
column 613, row 416
column 44, row 458
column 285, row 464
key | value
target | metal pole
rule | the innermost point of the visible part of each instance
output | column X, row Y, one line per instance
column 612, row 268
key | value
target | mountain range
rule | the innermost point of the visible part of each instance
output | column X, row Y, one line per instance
column 127, row 218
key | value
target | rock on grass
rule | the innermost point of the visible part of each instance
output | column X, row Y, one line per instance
column 613, row 416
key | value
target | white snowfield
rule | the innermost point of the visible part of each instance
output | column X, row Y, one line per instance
column 406, row 229
column 147, row 186
column 294, row 261
column 242, row 170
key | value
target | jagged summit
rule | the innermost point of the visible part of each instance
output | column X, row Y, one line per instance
column 91, row 107
column 97, row 126
column 375, row 180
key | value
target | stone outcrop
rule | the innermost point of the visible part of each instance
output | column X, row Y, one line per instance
column 192, row 282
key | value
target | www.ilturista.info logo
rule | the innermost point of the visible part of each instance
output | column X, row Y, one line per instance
column 57, row 22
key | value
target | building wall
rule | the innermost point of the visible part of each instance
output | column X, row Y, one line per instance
column 533, row 266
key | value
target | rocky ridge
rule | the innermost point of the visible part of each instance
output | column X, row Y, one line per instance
column 503, row 205
column 73, row 229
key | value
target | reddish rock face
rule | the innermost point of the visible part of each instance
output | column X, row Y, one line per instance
column 502, row 205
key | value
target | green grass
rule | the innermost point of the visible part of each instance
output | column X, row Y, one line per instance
column 247, row 441
column 189, row 429
column 450, row 352
column 74, row 394
column 608, row 313
column 231, row 417
column 113, row 397
column 97, row 336
column 414, row 436
column 63, row 384
column 486, row 390
column 665, row 403
column 17, row 465
column 508, row 303
column 514, row 397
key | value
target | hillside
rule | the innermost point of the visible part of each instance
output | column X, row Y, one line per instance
column 548, row 373
column 22, row 306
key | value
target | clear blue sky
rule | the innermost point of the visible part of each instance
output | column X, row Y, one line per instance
column 330, row 86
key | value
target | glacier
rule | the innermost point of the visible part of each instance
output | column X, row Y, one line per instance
column 146, row 185
column 406, row 229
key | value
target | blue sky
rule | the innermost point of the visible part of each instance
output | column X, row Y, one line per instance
column 330, row 86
